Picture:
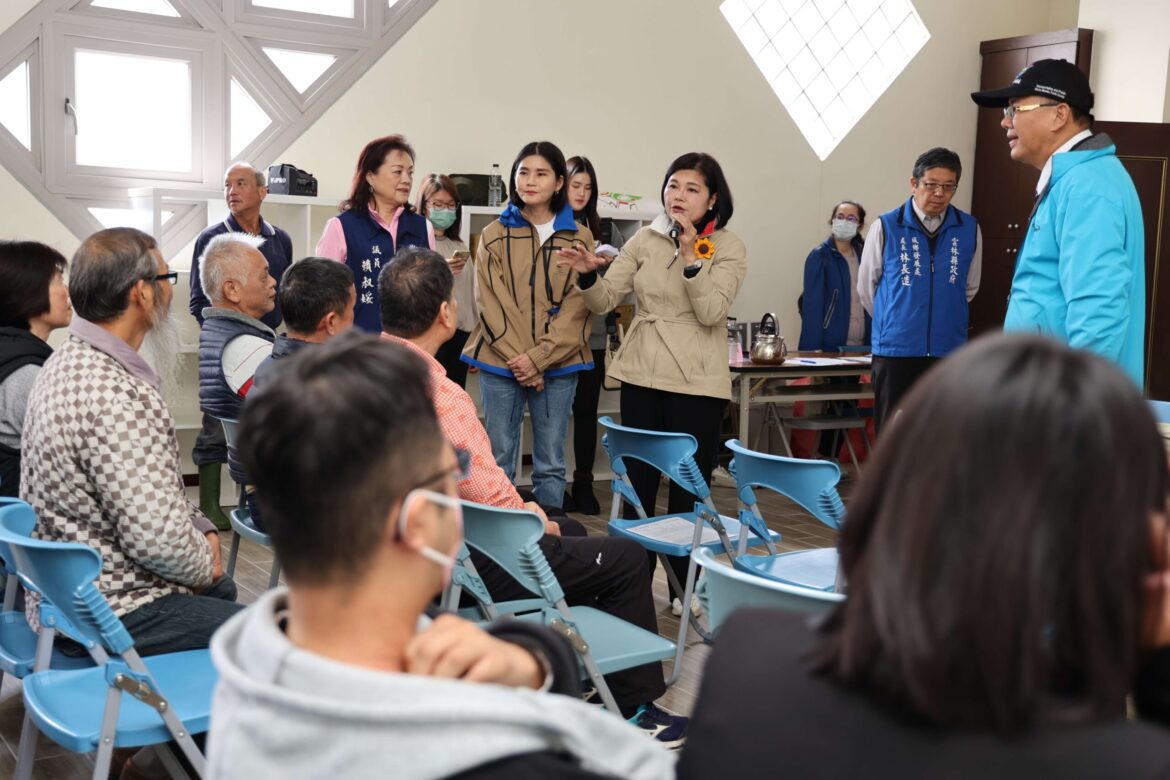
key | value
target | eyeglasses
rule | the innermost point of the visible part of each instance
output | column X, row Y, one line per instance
column 440, row 204
column 1011, row 111
column 172, row 277
column 847, row 218
column 461, row 471
column 934, row 186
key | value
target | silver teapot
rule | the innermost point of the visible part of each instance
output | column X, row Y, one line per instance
column 769, row 347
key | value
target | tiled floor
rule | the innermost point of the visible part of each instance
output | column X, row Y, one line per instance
column 798, row 529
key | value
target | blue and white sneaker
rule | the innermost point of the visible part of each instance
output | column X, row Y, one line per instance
column 670, row 730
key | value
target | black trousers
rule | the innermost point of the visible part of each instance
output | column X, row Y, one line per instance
column 585, row 417
column 892, row 379
column 661, row 410
column 603, row 572
column 448, row 357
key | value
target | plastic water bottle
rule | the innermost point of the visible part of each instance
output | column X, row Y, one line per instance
column 495, row 187
column 734, row 353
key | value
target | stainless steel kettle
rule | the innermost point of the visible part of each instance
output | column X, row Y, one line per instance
column 769, row 345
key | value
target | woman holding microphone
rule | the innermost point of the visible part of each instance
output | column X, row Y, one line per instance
column 685, row 269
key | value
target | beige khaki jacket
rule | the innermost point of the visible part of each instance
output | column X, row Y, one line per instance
column 527, row 303
column 678, row 338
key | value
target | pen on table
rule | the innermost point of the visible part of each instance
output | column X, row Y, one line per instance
column 808, row 362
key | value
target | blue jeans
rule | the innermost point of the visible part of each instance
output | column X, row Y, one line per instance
column 503, row 411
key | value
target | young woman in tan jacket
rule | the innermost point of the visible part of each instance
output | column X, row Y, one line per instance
column 685, row 270
column 532, row 337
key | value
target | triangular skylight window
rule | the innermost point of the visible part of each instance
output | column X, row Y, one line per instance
column 15, row 113
column 156, row 7
column 136, row 218
column 828, row 61
column 247, row 121
column 301, row 68
column 339, row 8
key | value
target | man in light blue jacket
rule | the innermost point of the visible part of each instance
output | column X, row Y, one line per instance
column 1080, row 276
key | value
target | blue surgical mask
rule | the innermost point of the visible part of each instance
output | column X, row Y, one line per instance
column 442, row 218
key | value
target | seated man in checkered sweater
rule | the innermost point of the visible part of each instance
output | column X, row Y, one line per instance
column 101, row 462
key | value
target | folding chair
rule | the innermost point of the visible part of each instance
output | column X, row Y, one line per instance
column 18, row 642
column 603, row 643
column 810, row 483
column 673, row 455
column 727, row 589
column 241, row 517
column 123, row 702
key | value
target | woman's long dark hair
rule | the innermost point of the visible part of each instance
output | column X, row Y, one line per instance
column 370, row 160
column 996, row 550
column 556, row 160
column 587, row 215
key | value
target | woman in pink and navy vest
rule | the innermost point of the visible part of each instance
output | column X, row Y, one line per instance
column 376, row 220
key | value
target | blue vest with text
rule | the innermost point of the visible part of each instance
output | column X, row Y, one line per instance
column 920, row 306
column 368, row 247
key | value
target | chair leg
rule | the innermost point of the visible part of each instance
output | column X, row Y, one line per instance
column 274, row 577
column 687, row 619
column 105, row 751
column 231, row 567
column 27, row 752
column 171, row 762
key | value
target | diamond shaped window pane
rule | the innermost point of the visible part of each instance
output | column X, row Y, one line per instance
column 301, row 68
column 248, row 120
column 15, row 109
column 339, row 8
column 841, row 56
column 155, row 7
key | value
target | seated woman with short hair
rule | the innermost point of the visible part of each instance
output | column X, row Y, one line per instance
column 1007, row 566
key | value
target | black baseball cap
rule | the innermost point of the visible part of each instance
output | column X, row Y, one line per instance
column 1056, row 79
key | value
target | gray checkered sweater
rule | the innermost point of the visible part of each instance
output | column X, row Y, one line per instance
column 101, row 467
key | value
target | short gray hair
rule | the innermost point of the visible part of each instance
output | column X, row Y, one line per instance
column 224, row 260
column 259, row 174
column 106, row 267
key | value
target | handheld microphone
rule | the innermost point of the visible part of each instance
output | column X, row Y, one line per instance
column 674, row 230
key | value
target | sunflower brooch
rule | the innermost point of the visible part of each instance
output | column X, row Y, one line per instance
column 704, row 248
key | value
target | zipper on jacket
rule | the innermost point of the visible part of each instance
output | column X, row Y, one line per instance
column 532, row 277
column 829, row 313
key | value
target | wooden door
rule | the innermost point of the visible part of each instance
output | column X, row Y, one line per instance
column 1003, row 190
column 1144, row 150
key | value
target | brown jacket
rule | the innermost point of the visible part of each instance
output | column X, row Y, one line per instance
column 527, row 303
column 678, row 339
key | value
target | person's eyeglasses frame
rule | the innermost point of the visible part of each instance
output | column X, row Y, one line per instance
column 1010, row 112
column 936, row 186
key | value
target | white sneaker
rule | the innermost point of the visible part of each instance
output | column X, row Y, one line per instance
column 721, row 477
column 696, row 607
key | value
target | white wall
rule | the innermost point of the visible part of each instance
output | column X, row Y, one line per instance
column 1131, row 52
column 631, row 85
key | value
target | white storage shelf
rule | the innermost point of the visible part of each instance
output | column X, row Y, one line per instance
column 304, row 218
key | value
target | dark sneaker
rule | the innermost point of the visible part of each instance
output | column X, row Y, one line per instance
column 659, row 724
column 583, row 498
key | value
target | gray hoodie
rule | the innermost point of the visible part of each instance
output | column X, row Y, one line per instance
column 280, row 711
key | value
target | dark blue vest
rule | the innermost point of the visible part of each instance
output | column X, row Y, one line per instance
column 368, row 246
column 920, row 307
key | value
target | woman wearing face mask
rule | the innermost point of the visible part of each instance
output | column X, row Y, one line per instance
column 438, row 201
column 831, row 315
column 34, row 302
column 530, row 341
column 376, row 220
column 583, row 198
column 685, row 270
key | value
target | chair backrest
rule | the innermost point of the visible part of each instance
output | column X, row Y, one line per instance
column 509, row 537
column 810, row 483
column 671, row 453
column 22, row 523
column 64, row 572
column 1161, row 411
column 729, row 589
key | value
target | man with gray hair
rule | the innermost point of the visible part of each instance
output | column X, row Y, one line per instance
column 233, row 341
column 244, row 191
column 101, row 461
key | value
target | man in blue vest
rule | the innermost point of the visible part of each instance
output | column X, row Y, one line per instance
column 1081, row 272
column 244, row 191
column 234, row 340
column 919, row 269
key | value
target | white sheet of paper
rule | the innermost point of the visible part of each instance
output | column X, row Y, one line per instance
column 674, row 530
column 816, row 361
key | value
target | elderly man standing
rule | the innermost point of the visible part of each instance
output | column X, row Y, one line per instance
column 244, row 190
column 919, row 269
column 1081, row 271
column 101, row 462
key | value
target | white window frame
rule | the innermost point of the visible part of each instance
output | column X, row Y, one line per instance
column 12, row 146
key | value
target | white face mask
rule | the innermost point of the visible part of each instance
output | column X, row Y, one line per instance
column 448, row 559
column 844, row 230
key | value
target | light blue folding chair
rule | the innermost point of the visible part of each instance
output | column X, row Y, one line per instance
column 727, row 589
column 18, row 642
column 810, row 483
column 123, row 702
column 241, row 517
column 673, row 455
column 604, row 643
column 1161, row 410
